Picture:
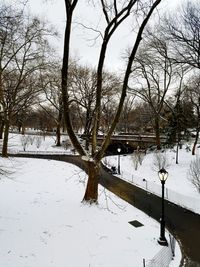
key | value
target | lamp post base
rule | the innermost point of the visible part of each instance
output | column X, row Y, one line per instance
column 162, row 241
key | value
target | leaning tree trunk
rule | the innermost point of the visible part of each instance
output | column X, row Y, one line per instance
column 91, row 192
column 195, row 141
column 5, row 140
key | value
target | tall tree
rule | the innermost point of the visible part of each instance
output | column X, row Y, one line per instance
column 82, row 93
column 153, row 74
column 183, row 29
column 115, row 13
column 193, row 94
column 23, row 48
column 50, row 83
column 125, row 119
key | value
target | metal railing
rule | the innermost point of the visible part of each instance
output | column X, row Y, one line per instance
column 184, row 201
column 163, row 257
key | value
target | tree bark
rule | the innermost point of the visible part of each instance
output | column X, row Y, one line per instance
column 91, row 193
column 70, row 6
column 58, row 128
column 58, row 143
column 1, row 129
column 195, row 142
column 5, row 140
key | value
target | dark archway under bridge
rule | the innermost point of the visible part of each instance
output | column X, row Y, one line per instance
column 112, row 148
column 143, row 141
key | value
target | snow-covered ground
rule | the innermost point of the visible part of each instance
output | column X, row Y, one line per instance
column 38, row 142
column 44, row 224
column 179, row 188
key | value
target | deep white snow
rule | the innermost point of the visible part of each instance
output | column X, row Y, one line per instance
column 44, row 224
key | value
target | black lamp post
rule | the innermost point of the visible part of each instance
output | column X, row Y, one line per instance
column 119, row 150
column 163, row 174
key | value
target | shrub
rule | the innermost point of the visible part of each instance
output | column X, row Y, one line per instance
column 160, row 161
column 194, row 173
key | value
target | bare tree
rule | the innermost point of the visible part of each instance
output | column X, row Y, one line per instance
column 181, row 113
column 23, row 48
column 183, row 29
column 194, row 173
column 153, row 74
column 114, row 13
column 125, row 119
column 160, row 161
column 16, row 98
column 41, row 119
column 50, row 83
column 193, row 92
column 82, row 94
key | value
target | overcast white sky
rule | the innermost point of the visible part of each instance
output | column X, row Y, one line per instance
column 87, row 51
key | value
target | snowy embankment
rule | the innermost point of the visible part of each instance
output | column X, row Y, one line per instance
column 178, row 187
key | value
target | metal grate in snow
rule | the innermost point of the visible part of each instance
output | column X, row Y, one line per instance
column 136, row 223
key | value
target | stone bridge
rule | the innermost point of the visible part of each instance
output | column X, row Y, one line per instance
column 128, row 142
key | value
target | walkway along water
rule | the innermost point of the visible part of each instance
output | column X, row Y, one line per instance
column 182, row 223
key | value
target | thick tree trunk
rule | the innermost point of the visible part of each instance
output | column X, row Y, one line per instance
column 91, row 192
column 5, row 140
